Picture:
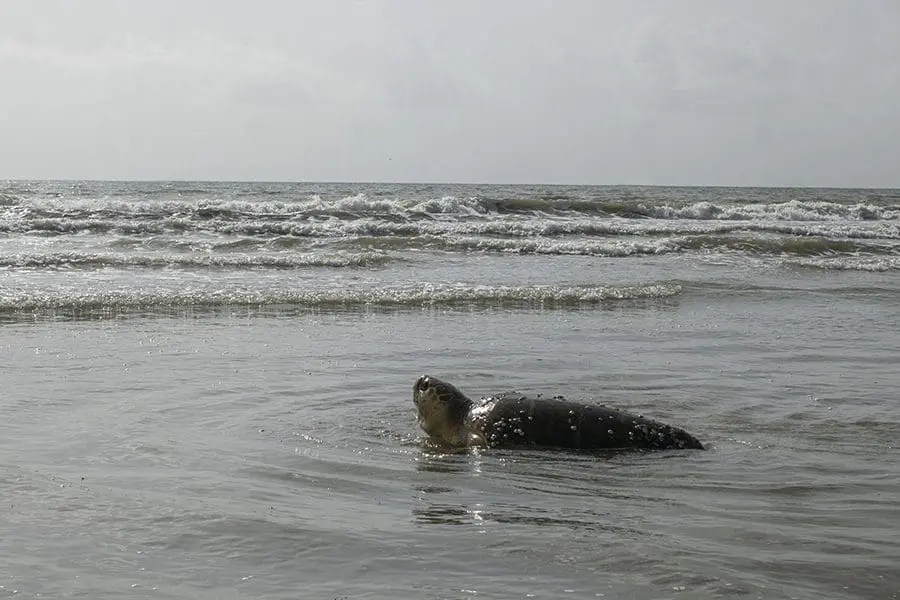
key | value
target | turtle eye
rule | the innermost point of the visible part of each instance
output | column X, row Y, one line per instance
column 423, row 384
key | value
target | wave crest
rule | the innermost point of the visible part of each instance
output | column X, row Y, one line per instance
column 445, row 295
column 61, row 260
column 413, row 207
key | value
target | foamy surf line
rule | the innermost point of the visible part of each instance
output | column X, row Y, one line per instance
column 631, row 246
column 519, row 227
column 394, row 297
column 286, row 260
column 873, row 264
column 361, row 205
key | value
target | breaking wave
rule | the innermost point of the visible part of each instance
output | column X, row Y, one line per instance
column 85, row 225
column 792, row 210
column 499, row 229
column 446, row 295
column 359, row 206
column 621, row 246
column 60, row 260
column 849, row 263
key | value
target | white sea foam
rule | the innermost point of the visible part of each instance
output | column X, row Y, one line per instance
column 793, row 210
column 398, row 296
column 361, row 205
column 848, row 263
column 620, row 247
column 602, row 222
column 278, row 260
column 506, row 228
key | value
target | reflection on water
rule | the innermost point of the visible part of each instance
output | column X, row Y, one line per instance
column 438, row 514
column 444, row 513
column 449, row 460
column 478, row 488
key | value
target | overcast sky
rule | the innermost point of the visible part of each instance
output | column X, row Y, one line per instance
column 800, row 92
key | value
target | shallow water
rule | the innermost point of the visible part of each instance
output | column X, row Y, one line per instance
column 185, row 429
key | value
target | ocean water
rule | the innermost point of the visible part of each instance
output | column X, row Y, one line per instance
column 207, row 390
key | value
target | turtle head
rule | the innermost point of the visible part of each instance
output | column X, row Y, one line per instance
column 442, row 409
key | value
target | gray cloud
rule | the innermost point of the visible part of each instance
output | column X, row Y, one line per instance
column 687, row 92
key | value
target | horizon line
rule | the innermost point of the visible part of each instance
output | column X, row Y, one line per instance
column 449, row 183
